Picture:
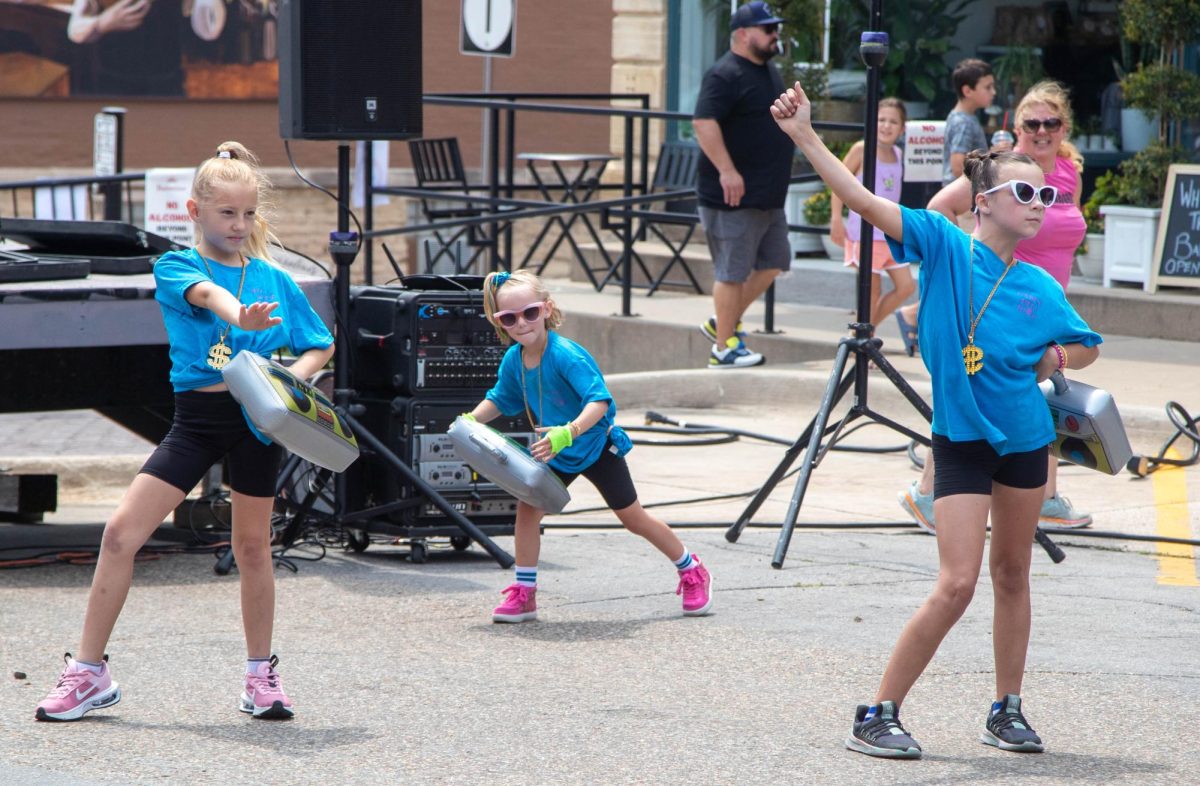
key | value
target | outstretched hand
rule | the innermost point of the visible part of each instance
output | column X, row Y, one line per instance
column 793, row 111
column 257, row 316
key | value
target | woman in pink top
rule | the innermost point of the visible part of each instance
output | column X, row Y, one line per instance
column 1044, row 123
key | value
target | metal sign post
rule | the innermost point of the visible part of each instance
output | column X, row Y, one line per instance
column 108, row 152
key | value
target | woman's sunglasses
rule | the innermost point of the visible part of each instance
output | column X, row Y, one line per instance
column 1025, row 192
column 1033, row 125
column 528, row 313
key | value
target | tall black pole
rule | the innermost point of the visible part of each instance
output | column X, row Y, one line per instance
column 873, row 48
column 343, row 247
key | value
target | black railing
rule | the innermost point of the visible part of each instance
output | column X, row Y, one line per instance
column 105, row 197
column 507, row 208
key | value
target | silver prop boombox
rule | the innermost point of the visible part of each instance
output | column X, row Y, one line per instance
column 506, row 464
column 1088, row 427
column 290, row 411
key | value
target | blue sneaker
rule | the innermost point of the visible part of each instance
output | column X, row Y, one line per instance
column 1057, row 512
column 709, row 328
column 882, row 735
column 1007, row 729
column 919, row 506
column 735, row 355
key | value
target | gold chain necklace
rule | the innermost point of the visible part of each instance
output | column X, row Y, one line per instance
column 532, row 423
column 973, row 355
column 218, row 353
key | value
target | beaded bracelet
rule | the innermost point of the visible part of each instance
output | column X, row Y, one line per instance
column 1061, row 351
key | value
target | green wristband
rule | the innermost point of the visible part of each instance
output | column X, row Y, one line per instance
column 468, row 416
column 560, row 438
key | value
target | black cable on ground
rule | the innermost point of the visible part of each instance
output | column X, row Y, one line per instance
column 1185, row 426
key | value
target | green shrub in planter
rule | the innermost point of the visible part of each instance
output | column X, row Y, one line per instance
column 1143, row 178
column 1106, row 192
column 816, row 208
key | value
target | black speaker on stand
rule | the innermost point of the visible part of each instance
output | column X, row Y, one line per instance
column 350, row 69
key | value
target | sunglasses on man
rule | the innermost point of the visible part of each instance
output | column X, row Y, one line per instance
column 770, row 29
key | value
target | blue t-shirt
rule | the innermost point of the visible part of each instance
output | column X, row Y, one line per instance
column 1001, row 403
column 192, row 330
column 570, row 380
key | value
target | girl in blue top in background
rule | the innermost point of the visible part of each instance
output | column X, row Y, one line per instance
column 217, row 299
column 560, row 387
column 991, row 328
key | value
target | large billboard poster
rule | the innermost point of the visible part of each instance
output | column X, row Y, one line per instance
column 139, row 48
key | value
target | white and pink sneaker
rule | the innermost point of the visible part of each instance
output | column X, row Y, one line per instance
column 79, row 690
column 519, row 606
column 263, row 696
column 695, row 585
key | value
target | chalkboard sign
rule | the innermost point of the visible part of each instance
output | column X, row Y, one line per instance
column 1177, row 255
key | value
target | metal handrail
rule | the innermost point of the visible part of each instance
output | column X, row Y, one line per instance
column 109, row 186
column 506, row 210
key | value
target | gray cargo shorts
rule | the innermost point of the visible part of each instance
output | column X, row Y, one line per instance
column 744, row 240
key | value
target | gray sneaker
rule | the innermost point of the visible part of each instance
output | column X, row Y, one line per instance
column 882, row 735
column 1057, row 512
column 919, row 506
column 1007, row 729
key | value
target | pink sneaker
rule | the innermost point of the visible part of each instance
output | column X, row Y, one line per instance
column 79, row 690
column 263, row 696
column 695, row 585
column 519, row 606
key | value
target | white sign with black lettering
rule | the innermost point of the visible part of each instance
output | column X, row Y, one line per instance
column 488, row 27
column 104, row 145
column 924, row 148
column 167, row 193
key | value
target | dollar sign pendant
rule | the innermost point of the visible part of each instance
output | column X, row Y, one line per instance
column 972, row 358
column 218, row 355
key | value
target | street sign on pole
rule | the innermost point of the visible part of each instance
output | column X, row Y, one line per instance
column 104, row 144
column 488, row 28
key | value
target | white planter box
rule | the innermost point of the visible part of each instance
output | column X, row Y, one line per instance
column 1130, row 234
column 801, row 242
column 1091, row 264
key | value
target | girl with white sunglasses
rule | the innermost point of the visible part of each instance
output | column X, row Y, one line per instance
column 991, row 328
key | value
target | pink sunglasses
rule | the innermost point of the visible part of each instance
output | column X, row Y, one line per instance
column 529, row 313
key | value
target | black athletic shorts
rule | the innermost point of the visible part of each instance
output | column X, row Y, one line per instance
column 610, row 475
column 971, row 467
column 207, row 428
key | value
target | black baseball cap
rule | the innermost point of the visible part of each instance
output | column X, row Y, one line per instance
column 752, row 15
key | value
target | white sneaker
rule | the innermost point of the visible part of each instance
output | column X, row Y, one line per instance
column 736, row 356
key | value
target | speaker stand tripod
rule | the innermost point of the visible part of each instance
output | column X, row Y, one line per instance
column 343, row 247
column 862, row 345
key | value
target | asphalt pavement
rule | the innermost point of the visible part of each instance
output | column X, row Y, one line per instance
column 399, row 676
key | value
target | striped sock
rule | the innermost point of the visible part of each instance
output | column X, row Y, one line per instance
column 872, row 711
column 252, row 664
column 527, row 577
column 686, row 561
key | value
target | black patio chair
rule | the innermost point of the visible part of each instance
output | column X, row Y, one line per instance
column 437, row 164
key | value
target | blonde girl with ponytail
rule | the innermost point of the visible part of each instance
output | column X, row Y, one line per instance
column 218, row 298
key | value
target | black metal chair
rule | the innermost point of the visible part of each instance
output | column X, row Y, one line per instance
column 437, row 165
column 677, row 168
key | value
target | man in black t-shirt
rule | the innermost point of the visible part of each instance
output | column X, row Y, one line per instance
column 743, row 179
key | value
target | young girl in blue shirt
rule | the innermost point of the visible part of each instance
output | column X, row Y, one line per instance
column 558, row 385
column 991, row 328
column 218, row 298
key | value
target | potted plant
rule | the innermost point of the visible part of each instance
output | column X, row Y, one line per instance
column 817, row 213
column 921, row 33
column 1160, row 85
column 1016, row 71
column 1131, row 220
